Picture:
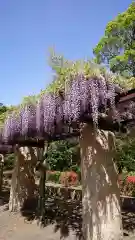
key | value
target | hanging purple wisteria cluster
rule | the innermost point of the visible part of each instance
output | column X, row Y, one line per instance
column 53, row 111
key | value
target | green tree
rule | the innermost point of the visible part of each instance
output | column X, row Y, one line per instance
column 63, row 155
column 3, row 110
column 117, row 46
column 125, row 154
column 9, row 161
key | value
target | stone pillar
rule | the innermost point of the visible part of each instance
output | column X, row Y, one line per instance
column 100, row 195
column 23, row 185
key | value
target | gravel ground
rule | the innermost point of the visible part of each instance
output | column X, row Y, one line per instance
column 15, row 227
column 63, row 222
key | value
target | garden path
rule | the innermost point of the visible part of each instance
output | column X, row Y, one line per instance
column 14, row 227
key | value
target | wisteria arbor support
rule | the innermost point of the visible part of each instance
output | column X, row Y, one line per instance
column 28, row 154
column 100, row 193
column 23, row 187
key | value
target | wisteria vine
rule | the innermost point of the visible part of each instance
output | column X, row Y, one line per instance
column 28, row 120
column 84, row 96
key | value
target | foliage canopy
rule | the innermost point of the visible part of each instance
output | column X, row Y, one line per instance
column 125, row 153
column 63, row 155
column 117, row 46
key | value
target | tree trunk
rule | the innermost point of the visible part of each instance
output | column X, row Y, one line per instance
column 23, row 187
column 1, row 171
column 100, row 196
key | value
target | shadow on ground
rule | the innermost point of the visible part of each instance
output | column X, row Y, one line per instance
column 66, row 215
column 128, row 219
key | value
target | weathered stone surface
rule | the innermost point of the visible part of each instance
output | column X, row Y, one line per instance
column 23, row 185
column 100, row 193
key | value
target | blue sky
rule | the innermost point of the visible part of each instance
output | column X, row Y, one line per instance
column 28, row 28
